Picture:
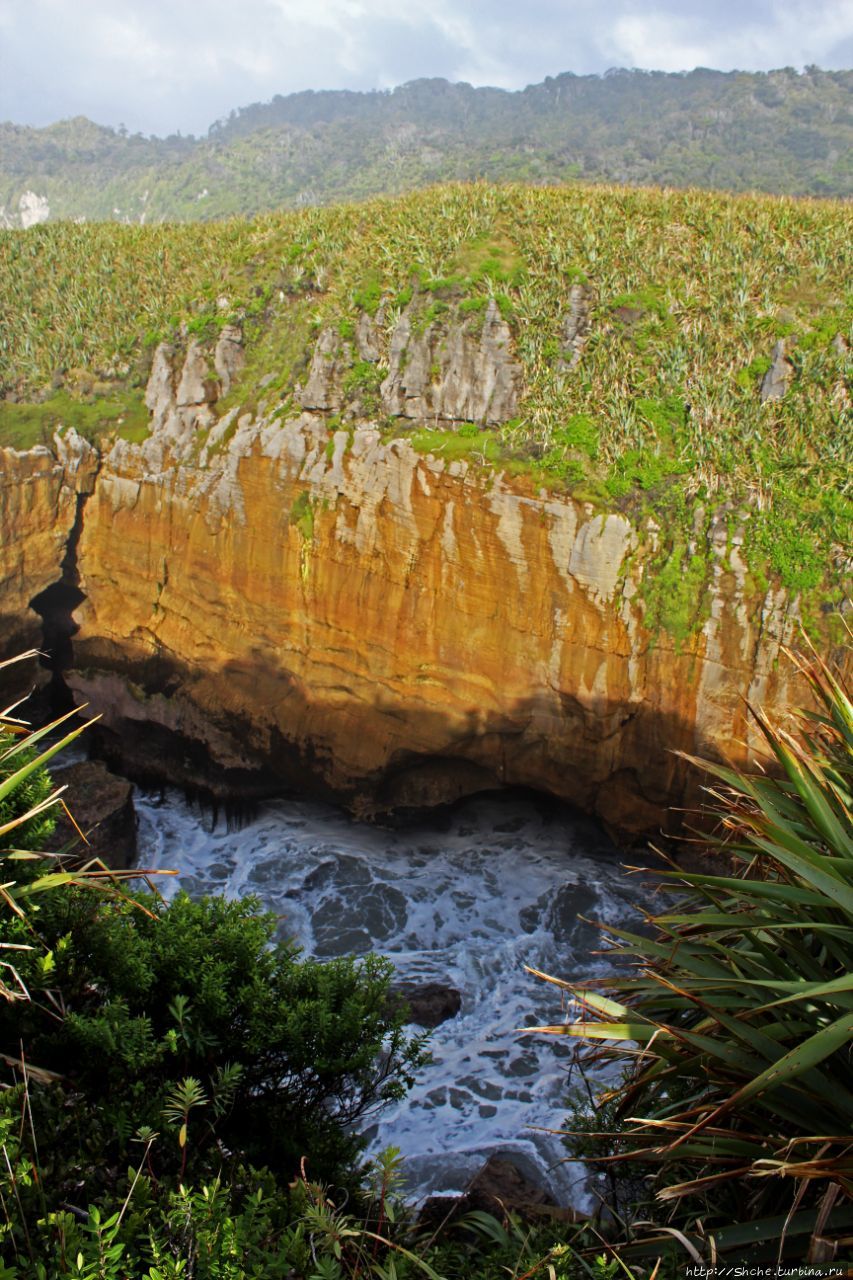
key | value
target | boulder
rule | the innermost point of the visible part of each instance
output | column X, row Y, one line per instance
column 499, row 1188
column 430, row 1003
column 102, row 806
column 776, row 379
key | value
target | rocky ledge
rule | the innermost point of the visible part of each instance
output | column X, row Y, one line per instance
column 102, row 821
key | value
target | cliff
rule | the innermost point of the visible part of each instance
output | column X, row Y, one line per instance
column 400, row 501
column 41, row 497
column 300, row 606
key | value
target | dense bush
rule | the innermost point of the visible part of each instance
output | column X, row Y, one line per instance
column 251, row 1229
column 184, row 1015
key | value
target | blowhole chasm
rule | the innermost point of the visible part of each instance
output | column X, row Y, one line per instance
column 463, row 900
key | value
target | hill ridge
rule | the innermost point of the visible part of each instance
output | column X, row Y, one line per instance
column 781, row 132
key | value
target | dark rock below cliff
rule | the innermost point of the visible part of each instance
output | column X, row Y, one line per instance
column 499, row 1188
column 429, row 1003
column 102, row 805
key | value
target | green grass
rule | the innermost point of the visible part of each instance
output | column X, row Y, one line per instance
column 24, row 425
column 481, row 446
column 689, row 291
column 302, row 516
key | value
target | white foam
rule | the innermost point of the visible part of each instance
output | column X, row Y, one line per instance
column 467, row 901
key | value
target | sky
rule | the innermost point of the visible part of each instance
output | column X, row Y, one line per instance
column 163, row 66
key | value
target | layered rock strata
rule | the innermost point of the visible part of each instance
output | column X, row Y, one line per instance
column 269, row 603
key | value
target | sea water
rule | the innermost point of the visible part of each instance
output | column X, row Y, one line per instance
column 468, row 900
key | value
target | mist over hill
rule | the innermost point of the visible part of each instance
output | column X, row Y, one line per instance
column 780, row 132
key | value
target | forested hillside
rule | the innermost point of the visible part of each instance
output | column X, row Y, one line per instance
column 779, row 132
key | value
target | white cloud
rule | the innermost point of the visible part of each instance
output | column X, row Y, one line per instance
column 746, row 36
column 161, row 65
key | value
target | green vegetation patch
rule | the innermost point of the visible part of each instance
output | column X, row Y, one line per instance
column 495, row 258
column 751, row 377
column 674, row 590
column 363, row 382
column 302, row 515
column 368, row 295
column 25, row 425
column 469, row 443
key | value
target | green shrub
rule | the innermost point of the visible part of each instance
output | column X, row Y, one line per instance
column 581, row 433
column 789, row 547
column 288, row 1054
column 253, row 1229
column 363, row 382
column 749, row 378
column 368, row 295
column 644, row 469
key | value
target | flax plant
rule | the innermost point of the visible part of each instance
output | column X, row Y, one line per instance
column 735, row 1017
column 28, row 802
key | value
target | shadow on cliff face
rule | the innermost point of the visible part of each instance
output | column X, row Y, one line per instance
column 55, row 606
column 246, row 731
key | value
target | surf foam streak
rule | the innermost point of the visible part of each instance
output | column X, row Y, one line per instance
column 466, row 900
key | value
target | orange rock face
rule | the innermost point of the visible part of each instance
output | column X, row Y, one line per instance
column 400, row 631
column 39, row 500
column 284, row 607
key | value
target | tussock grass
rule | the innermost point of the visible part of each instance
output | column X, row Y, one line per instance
column 690, row 291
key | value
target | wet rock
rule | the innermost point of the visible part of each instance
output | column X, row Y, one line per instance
column 430, row 1003
column 102, row 806
column 500, row 1187
column 384, row 912
column 776, row 379
column 438, row 1212
column 564, row 909
column 429, row 783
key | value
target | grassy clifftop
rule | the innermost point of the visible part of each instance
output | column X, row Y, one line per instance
column 688, row 296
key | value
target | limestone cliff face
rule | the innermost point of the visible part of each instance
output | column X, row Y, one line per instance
column 41, row 494
column 340, row 610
